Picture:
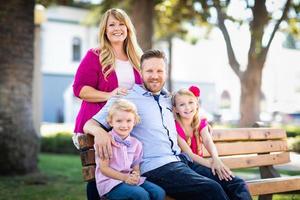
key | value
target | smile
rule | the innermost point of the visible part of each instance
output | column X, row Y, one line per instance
column 118, row 34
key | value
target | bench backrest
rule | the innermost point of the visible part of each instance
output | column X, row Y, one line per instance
column 251, row 147
column 237, row 147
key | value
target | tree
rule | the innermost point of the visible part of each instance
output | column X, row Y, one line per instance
column 170, row 17
column 19, row 143
column 262, row 18
column 142, row 15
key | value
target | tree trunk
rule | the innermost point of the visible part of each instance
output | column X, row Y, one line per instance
column 170, row 48
column 142, row 15
column 250, row 94
column 19, row 143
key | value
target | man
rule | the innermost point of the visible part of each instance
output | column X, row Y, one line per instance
column 162, row 162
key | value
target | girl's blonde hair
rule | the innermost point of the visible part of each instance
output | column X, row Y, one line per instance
column 196, row 121
column 123, row 105
column 131, row 47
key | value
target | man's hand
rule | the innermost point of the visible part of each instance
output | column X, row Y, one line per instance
column 103, row 143
column 102, row 139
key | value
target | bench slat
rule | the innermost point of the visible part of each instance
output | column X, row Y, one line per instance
column 237, row 148
column 87, row 157
column 235, row 162
column 236, row 134
column 239, row 162
column 86, row 141
column 274, row 185
column 88, row 172
column 248, row 134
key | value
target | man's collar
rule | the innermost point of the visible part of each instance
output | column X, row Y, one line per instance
column 143, row 91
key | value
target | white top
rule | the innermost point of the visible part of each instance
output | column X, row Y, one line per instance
column 125, row 74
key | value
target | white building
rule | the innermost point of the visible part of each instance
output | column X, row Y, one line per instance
column 65, row 40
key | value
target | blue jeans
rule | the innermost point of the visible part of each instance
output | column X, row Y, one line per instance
column 146, row 191
column 191, row 181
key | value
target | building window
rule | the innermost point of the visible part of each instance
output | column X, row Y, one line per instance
column 76, row 49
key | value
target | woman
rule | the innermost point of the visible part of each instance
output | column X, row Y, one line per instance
column 111, row 69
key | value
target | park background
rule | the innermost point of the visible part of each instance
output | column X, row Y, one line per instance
column 38, row 107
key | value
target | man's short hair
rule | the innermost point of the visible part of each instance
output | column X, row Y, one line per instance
column 153, row 53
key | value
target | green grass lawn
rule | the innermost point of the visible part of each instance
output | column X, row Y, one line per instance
column 60, row 179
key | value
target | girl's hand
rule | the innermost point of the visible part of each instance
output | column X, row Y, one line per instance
column 132, row 179
column 223, row 172
column 119, row 91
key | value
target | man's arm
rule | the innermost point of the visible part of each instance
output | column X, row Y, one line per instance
column 102, row 139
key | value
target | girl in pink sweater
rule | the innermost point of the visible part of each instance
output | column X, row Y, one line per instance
column 195, row 130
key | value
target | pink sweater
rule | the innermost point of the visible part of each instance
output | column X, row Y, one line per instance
column 89, row 73
column 194, row 146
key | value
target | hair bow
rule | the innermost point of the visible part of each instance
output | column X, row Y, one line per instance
column 195, row 90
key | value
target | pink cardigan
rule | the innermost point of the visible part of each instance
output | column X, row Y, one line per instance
column 194, row 146
column 89, row 73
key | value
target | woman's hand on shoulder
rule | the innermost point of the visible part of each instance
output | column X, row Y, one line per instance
column 119, row 91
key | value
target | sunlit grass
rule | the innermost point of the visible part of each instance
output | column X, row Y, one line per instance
column 59, row 179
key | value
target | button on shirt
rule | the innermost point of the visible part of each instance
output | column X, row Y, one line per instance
column 124, row 158
column 156, row 131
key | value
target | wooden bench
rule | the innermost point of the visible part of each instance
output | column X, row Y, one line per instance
column 239, row 148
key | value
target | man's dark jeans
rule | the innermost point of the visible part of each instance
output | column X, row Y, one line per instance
column 91, row 191
column 187, row 180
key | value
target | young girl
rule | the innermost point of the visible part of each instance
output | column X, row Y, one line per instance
column 195, row 130
column 119, row 176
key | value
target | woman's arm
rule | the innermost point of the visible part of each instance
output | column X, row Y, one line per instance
column 86, row 80
column 186, row 149
column 217, row 166
column 90, row 94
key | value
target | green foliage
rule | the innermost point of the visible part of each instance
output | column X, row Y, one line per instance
column 59, row 178
column 59, row 143
column 292, row 130
column 296, row 144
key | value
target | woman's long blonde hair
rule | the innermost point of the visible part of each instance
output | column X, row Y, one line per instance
column 131, row 47
column 196, row 121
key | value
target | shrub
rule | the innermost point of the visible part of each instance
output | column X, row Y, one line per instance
column 296, row 145
column 59, row 143
column 292, row 130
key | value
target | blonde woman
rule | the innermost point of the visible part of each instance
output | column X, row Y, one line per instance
column 109, row 70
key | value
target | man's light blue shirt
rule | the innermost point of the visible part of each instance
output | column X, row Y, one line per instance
column 156, row 131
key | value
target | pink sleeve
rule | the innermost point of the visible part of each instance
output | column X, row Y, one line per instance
column 203, row 124
column 87, row 73
column 137, row 158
